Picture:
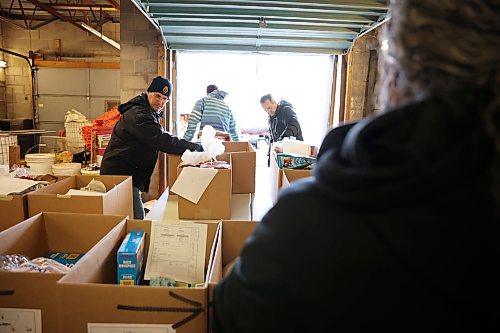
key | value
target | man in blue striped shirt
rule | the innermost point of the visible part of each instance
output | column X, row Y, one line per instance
column 212, row 110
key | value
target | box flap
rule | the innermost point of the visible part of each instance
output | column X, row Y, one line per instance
column 192, row 183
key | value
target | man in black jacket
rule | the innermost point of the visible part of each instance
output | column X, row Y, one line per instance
column 138, row 136
column 396, row 231
column 283, row 121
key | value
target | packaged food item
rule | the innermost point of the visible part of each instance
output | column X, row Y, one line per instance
column 294, row 161
column 50, row 266
column 12, row 262
column 216, row 165
column 64, row 258
column 20, row 263
column 130, row 257
column 162, row 281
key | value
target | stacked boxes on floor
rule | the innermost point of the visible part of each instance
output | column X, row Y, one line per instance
column 39, row 236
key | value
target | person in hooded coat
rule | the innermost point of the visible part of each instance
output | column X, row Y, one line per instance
column 283, row 122
column 212, row 110
column 398, row 229
column 138, row 136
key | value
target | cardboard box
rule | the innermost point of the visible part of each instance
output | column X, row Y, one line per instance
column 37, row 236
column 172, row 162
column 290, row 176
column 243, row 162
column 14, row 209
column 277, row 177
column 233, row 235
column 130, row 258
column 214, row 204
column 116, row 201
column 88, row 294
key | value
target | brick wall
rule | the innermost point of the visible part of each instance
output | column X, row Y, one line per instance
column 76, row 45
column 359, row 79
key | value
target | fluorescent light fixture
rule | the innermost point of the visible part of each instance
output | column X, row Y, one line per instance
column 101, row 36
column 3, row 64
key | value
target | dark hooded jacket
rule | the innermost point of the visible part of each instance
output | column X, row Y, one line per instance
column 395, row 232
column 137, row 137
column 284, row 123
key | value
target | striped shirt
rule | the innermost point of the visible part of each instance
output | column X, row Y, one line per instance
column 212, row 110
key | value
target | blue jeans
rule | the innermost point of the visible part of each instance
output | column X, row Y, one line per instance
column 138, row 207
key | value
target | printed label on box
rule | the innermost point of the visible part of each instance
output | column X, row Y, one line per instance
column 20, row 320
column 67, row 259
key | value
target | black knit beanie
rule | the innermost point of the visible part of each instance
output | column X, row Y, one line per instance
column 161, row 85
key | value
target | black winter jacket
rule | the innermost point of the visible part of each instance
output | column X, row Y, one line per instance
column 395, row 232
column 137, row 137
column 284, row 123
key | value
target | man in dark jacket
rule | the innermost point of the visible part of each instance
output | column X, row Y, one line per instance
column 138, row 136
column 283, row 121
column 397, row 230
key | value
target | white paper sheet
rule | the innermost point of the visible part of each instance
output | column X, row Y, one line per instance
column 84, row 193
column 177, row 251
column 129, row 328
column 192, row 183
column 20, row 320
column 14, row 185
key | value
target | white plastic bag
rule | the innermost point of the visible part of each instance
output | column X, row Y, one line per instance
column 210, row 144
column 194, row 157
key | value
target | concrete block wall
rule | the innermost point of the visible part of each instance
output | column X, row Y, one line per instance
column 138, row 63
column 76, row 45
column 359, row 79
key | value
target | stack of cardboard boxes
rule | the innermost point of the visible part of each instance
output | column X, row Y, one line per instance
column 215, row 203
column 88, row 296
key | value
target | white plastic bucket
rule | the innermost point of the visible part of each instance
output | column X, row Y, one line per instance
column 66, row 169
column 40, row 164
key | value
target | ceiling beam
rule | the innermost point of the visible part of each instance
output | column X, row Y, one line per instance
column 54, row 12
column 115, row 4
column 9, row 20
column 85, row 7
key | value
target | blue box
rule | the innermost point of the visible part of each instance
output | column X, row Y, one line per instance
column 67, row 259
column 129, row 258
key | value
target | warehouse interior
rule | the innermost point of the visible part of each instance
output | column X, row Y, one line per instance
column 96, row 97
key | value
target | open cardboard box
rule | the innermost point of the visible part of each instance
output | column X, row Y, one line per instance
column 89, row 293
column 37, row 236
column 290, row 176
column 278, row 177
column 214, row 204
column 14, row 209
column 116, row 201
column 233, row 235
column 172, row 162
column 243, row 162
